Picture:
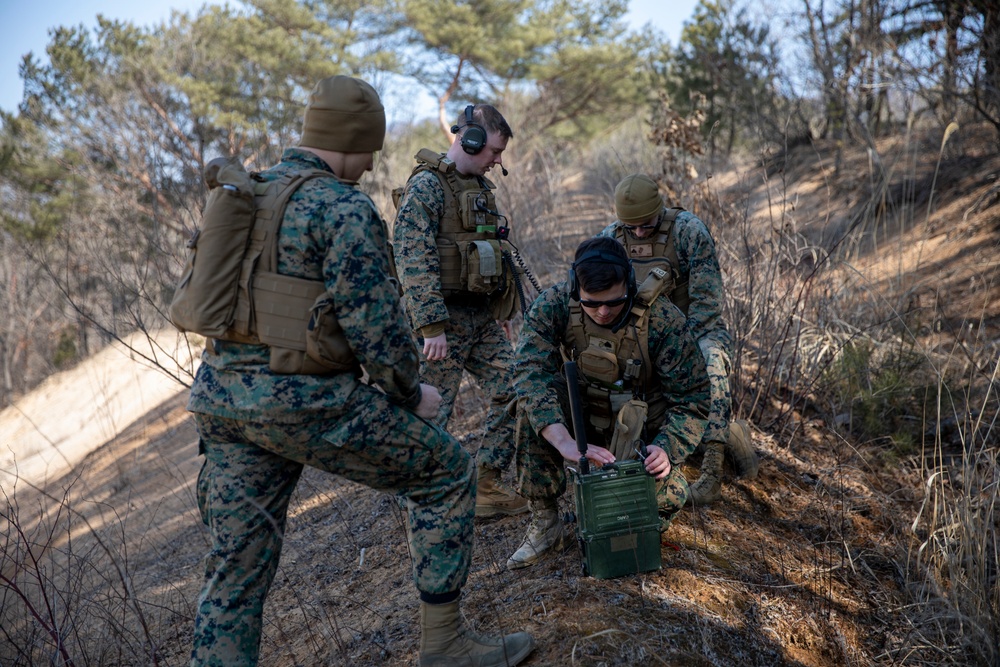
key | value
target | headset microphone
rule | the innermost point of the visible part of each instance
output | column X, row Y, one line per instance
column 503, row 170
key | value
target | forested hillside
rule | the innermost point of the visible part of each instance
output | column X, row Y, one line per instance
column 846, row 158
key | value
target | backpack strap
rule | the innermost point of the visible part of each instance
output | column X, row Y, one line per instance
column 270, row 201
column 670, row 249
column 271, row 210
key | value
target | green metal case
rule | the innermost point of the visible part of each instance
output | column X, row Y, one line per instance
column 617, row 524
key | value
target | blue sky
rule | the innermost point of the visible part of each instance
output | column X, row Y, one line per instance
column 25, row 25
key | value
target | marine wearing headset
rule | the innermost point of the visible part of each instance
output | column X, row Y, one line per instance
column 642, row 378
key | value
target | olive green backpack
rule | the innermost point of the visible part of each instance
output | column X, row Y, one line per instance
column 230, row 288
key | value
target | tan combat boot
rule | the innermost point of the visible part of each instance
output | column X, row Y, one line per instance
column 740, row 449
column 545, row 532
column 494, row 498
column 708, row 488
column 446, row 642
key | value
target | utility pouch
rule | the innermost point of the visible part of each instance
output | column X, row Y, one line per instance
column 628, row 429
column 477, row 208
column 325, row 340
column 504, row 304
column 483, row 266
column 599, row 362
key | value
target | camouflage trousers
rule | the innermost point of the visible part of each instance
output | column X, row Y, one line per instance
column 250, row 472
column 541, row 469
column 721, row 408
column 477, row 344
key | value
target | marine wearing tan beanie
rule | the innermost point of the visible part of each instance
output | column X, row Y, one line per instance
column 637, row 199
column 344, row 114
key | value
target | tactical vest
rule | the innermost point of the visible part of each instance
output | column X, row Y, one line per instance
column 472, row 258
column 615, row 367
column 294, row 316
column 657, row 250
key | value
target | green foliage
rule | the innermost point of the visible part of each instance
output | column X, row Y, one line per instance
column 574, row 58
column 725, row 67
column 494, row 38
column 242, row 77
column 878, row 392
column 39, row 189
column 66, row 352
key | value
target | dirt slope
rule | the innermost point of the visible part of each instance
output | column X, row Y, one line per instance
column 758, row 579
column 801, row 566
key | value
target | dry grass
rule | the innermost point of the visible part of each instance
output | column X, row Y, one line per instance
column 869, row 537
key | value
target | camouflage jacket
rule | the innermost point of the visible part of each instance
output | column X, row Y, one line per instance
column 331, row 232
column 415, row 248
column 679, row 367
column 699, row 266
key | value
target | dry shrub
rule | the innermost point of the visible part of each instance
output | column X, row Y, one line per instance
column 818, row 336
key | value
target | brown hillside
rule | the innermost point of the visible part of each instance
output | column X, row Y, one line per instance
column 809, row 564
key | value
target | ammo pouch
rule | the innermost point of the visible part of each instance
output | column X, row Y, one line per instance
column 658, row 281
column 628, row 429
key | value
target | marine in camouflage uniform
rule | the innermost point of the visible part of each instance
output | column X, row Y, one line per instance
column 676, row 382
column 644, row 224
column 258, row 428
column 458, row 330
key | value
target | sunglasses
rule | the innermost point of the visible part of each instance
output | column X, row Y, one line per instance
column 652, row 225
column 610, row 303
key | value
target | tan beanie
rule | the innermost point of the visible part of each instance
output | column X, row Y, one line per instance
column 637, row 199
column 345, row 115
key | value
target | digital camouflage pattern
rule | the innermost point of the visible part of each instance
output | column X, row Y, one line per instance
column 699, row 266
column 543, row 399
column 257, row 429
column 415, row 250
column 248, row 477
column 476, row 343
column 720, row 409
column 331, row 232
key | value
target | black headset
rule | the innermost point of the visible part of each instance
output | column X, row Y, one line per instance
column 474, row 138
column 601, row 258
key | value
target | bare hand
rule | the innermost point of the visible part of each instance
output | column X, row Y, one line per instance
column 657, row 462
column 430, row 402
column 559, row 437
column 436, row 348
column 508, row 329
